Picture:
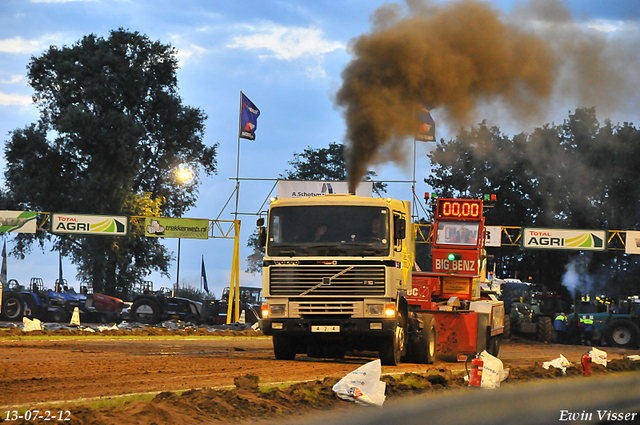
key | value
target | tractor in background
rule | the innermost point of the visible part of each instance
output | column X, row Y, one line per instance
column 214, row 312
column 615, row 325
column 524, row 314
column 152, row 307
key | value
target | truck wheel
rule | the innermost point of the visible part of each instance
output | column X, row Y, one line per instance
column 544, row 329
column 507, row 328
column 283, row 347
column 145, row 310
column 391, row 347
column 12, row 306
column 424, row 350
column 622, row 333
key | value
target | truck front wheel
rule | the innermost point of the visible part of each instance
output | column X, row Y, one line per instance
column 283, row 347
column 392, row 347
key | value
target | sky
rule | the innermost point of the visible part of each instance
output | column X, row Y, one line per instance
column 288, row 57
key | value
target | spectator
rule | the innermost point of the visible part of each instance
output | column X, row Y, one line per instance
column 586, row 324
column 560, row 325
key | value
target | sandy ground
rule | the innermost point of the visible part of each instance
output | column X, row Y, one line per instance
column 35, row 373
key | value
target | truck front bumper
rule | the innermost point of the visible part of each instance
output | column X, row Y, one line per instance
column 344, row 327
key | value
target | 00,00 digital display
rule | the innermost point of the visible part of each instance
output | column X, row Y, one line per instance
column 459, row 209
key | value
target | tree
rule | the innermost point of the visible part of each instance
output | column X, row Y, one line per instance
column 574, row 175
column 112, row 129
column 254, row 260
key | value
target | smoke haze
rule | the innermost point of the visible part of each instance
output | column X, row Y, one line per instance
column 461, row 57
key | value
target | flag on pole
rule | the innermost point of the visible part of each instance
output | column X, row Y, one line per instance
column 203, row 277
column 249, row 114
column 427, row 130
column 3, row 272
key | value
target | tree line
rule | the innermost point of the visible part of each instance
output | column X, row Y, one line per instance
column 579, row 174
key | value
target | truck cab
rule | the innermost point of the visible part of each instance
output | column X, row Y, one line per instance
column 334, row 276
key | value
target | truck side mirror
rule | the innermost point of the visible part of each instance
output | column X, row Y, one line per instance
column 260, row 222
column 399, row 228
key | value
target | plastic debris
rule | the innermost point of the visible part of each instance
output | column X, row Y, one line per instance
column 559, row 363
column 363, row 385
column 492, row 371
column 598, row 356
column 29, row 325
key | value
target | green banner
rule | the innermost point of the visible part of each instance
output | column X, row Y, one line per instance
column 18, row 221
column 564, row 239
column 84, row 224
column 189, row 228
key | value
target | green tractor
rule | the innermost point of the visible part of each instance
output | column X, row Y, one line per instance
column 615, row 327
column 524, row 315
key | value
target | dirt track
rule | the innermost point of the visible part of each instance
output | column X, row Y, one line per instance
column 43, row 371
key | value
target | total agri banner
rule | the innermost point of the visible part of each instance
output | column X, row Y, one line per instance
column 18, row 221
column 305, row 189
column 85, row 224
column 563, row 239
column 187, row 228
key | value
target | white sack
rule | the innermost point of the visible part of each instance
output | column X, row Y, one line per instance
column 492, row 371
column 363, row 385
column 598, row 356
column 559, row 363
column 29, row 325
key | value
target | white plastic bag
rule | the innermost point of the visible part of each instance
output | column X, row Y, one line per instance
column 559, row 363
column 363, row 385
column 598, row 356
column 492, row 371
column 29, row 325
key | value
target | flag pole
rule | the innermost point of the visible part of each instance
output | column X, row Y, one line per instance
column 238, row 158
column 414, row 207
column 236, row 259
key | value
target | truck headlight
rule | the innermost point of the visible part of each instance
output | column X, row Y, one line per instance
column 376, row 309
column 276, row 309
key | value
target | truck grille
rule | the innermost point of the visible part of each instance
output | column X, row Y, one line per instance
column 360, row 281
column 310, row 308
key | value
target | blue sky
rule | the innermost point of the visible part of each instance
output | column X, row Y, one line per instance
column 286, row 56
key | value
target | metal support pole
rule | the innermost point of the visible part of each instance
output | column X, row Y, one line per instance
column 234, row 285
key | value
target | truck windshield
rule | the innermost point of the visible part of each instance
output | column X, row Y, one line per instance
column 328, row 231
column 457, row 233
